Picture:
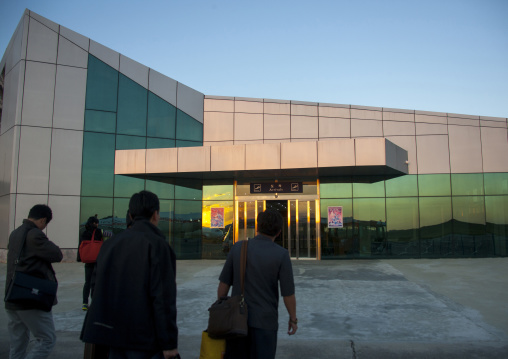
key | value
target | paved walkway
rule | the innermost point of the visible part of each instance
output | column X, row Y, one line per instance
column 427, row 308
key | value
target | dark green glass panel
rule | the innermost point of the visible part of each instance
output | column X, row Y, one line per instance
column 132, row 108
column 100, row 206
column 402, row 226
column 161, row 118
column 218, row 192
column 404, row 186
column 470, row 209
column 161, row 189
column 100, row 121
column 496, row 183
column 435, row 226
column 337, row 189
column 368, row 187
column 101, row 86
column 186, row 236
column 126, row 186
column 188, row 143
column 166, row 218
column 121, row 206
column 159, row 143
column 130, row 142
column 496, row 208
column 188, row 193
column 434, row 185
column 98, row 164
column 338, row 242
column 369, row 222
column 469, row 227
column 187, row 128
column 467, row 184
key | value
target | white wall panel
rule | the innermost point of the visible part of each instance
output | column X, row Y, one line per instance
column 134, row 70
column 304, row 110
column 329, row 111
column 218, row 126
column 110, row 57
column 465, row 149
column 366, row 114
column 63, row 230
column 34, row 155
column 330, row 127
column 70, row 93
column 66, row 154
column 299, row 154
column 74, row 37
column 276, row 108
column 70, row 54
column 407, row 143
column 432, row 153
column 494, row 149
column 6, row 219
column 334, row 153
column 219, row 105
column 262, row 156
column 398, row 116
column 16, row 49
column 190, row 101
column 227, row 158
column 366, row 128
column 304, row 127
column 42, row 43
column 277, row 127
column 13, row 95
column 6, row 161
column 431, row 129
column 396, row 128
column 427, row 118
column 46, row 22
column 248, row 126
column 25, row 202
column 162, row 86
column 39, row 93
column 248, row 106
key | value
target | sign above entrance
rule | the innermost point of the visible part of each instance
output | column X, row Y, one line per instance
column 277, row 187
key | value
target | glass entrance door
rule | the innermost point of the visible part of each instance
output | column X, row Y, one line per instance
column 300, row 232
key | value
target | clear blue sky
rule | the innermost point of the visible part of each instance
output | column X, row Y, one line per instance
column 430, row 55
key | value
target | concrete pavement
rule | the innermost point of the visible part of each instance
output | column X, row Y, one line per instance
column 426, row 308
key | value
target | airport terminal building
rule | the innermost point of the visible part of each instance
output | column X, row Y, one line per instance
column 83, row 127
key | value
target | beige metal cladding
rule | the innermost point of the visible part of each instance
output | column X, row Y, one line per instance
column 362, row 153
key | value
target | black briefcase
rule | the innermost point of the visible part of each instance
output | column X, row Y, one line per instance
column 31, row 291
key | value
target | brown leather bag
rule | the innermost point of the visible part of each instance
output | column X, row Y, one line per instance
column 228, row 315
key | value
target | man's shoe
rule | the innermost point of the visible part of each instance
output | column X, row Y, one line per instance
column 84, row 307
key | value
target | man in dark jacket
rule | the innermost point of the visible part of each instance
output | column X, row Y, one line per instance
column 133, row 308
column 37, row 254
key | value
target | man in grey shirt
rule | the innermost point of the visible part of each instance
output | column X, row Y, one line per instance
column 268, row 265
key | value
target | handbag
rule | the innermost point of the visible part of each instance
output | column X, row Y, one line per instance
column 228, row 315
column 89, row 250
column 29, row 290
column 211, row 348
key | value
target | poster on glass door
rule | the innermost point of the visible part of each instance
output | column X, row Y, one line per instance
column 217, row 217
column 335, row 219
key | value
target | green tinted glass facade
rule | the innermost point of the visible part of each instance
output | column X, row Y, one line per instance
column 121, row 114
column 419, row 216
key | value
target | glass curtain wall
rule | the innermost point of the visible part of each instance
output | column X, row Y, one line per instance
column 435, row 215
column 120, row 114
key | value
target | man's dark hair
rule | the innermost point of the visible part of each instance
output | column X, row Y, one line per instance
column 270, row 222
column 143, row 204
column 41, row 211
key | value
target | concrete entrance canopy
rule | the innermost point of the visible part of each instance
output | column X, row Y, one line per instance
column 342, row 157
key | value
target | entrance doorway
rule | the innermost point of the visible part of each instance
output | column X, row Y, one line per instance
column 300, row 232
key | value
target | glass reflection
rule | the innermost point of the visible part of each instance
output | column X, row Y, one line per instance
column 100, row 206
column 362, row 187
column 467, row 184
column 217, row 239
column 187, row 128
column 132, row 108
column 100, row 121
column 161, row 118
column 98, row 163
column 496, row 183
column 402, row 227
column 369, row 223
column 496, row 209
column 435, row 225
column 338, row 242
column 186, row 236
column 434, row 185
column 101, row 86
column 336, row 190
column 404, row 186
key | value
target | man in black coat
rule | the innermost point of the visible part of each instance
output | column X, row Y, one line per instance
column 37, row 254
column 133, row 308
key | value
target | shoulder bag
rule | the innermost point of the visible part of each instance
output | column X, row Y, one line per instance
column 89, row 249
column 228, row 315
column 29, row 290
